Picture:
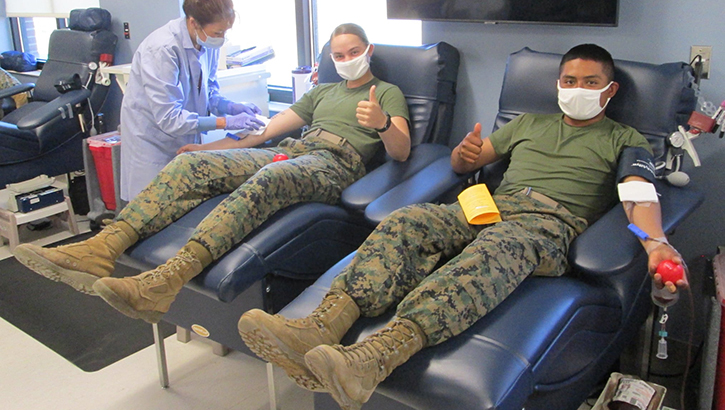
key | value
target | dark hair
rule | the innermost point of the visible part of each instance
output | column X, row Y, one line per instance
column 210, row 11
column 591, row 52
column 351, row 28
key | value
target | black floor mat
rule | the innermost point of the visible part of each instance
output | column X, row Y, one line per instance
column 83, row 329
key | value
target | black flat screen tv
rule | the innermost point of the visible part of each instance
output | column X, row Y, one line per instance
column 571, row 12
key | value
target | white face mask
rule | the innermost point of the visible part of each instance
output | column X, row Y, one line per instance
column 211, row 42
column 581, row 103
column 353, row 69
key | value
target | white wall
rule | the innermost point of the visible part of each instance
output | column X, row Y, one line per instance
column 143, row 16
column 6, row 42
column 654, row 31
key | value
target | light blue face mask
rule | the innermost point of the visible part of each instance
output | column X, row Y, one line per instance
column 211, row 42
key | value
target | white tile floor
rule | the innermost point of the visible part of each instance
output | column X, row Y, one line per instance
column 34, row 377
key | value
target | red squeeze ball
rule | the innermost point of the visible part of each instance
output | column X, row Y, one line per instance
column 280, row 157
column 670, row 271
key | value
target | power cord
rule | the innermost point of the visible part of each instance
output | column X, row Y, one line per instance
column 698, row 68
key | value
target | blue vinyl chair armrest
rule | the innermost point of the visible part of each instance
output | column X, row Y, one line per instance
column 16, row 89
column 387, row 176
column 7, row 128
column 428, row 185
column 59, row 106
column 608, row 247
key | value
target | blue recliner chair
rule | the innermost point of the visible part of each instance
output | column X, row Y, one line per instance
column 45, row 136
column 298, row 244
column 553, row 339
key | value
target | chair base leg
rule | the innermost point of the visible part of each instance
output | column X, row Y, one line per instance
column 270, row 386
column 161, row 356
column 183, row 335
column 219, row 349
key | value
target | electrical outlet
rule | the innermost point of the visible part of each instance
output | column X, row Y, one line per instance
column 706, row 53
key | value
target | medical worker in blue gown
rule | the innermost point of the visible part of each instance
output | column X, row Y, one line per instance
column 173, row 94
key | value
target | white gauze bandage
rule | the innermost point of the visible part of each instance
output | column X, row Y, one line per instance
column 637, row 192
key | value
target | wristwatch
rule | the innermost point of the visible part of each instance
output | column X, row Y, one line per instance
column 387, row 123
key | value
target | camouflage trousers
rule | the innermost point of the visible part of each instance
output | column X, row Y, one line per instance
column 316, row 171
column 444, row 274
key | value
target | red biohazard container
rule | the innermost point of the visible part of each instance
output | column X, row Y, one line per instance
column 100, row 146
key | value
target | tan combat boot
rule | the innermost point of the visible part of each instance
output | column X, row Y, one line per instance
column 149, row 295
column 351, row 373
column 80, row 264
column 284, row 342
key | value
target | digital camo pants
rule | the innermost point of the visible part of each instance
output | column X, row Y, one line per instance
column 317, row 171
column 400, row 262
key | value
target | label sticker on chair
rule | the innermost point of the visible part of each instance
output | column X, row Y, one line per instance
column 200, row 330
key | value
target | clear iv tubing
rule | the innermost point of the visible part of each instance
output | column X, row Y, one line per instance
column 664, row 299
column 662, row 343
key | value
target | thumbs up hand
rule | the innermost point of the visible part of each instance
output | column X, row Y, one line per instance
column 369, row 114
column 470, row 148
column 373, row 99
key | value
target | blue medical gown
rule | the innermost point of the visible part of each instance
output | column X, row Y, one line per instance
column 171, row 85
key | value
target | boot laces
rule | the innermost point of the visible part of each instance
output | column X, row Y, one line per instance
column 318, row 315
column 378, row 346
column 110, row 230
column 173, row 266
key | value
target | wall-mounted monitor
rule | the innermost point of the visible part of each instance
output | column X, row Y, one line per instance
column 572, row 12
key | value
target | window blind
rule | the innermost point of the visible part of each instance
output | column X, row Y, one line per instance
column 45, row 8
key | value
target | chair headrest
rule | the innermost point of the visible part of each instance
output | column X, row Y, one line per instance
column 90, row 19
column 652, row 98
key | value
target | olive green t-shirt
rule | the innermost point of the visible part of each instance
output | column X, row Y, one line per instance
column 332, row 108
column 575, row 166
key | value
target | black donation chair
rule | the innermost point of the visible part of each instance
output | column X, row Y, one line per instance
column 296, row 245
column 45, row 136
column 548, row 344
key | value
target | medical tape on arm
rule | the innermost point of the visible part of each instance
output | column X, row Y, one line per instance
column 637, row 192
column 636, row 161
column 650, row 243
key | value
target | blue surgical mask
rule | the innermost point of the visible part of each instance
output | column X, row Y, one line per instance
column 211, row 42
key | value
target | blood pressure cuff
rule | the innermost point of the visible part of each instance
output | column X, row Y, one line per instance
column 636, row 161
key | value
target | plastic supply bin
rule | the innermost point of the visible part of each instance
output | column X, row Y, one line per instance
column 300, row 82
column 100, row 147
column 248, row 84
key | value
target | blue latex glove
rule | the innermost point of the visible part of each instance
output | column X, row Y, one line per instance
column 243, row 121
column 238, row 108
